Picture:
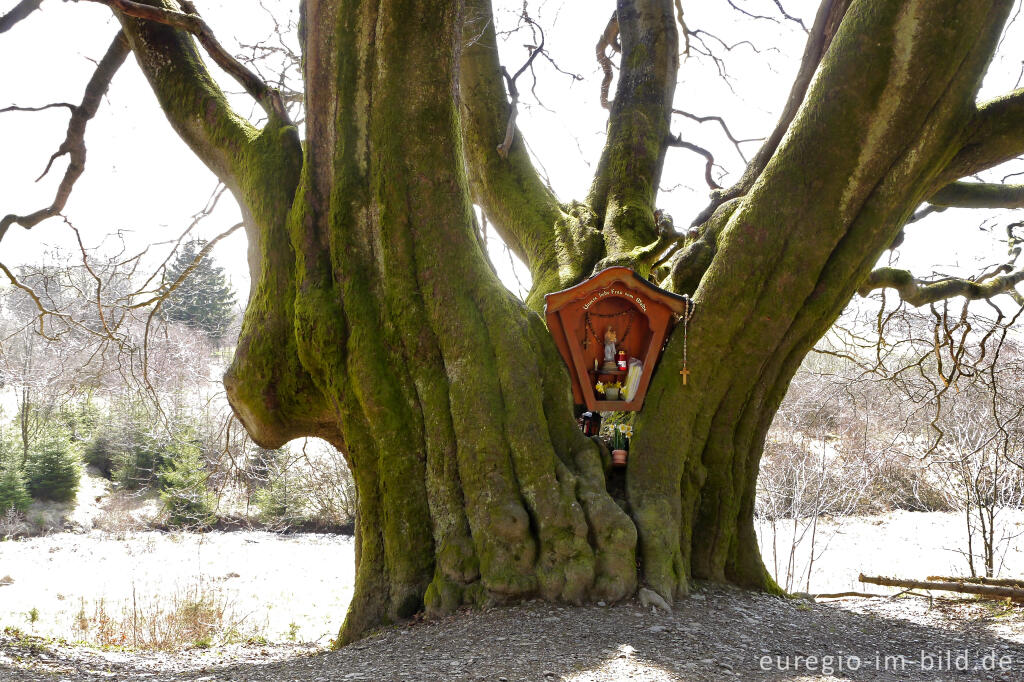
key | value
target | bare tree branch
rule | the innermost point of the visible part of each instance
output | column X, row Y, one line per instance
column 20, row 11
column 43, row 310
column 788, row 16
column 709, row 165
column 52, row 105
column 721, row 122
column 159, row 299
column 167, row 290
column 513, row 91
column 74, row 142
column 919, row 292
column 267, row 97
column 749, row 14
column 197, row 218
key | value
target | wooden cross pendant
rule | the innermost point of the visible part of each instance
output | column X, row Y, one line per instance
column 686, row 373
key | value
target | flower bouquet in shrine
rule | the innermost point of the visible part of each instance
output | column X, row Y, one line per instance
column 610, row 391
column 620, row 443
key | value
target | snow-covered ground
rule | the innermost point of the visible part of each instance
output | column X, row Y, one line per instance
column 298, row 586
column 268, row 581
column 898, row 544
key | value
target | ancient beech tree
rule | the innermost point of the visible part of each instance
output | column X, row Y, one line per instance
column 376, row 322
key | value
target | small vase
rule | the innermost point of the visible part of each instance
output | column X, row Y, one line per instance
column 611, row 394
column 619, row 458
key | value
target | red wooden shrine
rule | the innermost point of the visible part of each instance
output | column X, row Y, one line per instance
column 640, row 315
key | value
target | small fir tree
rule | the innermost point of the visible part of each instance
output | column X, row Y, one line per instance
column 283, row 499
column 13, row 487
column 52, row 467
column 136, row 456
column 183, row 481
column 204, row 300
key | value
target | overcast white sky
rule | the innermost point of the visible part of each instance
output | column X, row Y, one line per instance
column 142, row 180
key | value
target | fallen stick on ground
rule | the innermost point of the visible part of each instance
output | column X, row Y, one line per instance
column 998, row 591
column 981, row 580
column 868, row 595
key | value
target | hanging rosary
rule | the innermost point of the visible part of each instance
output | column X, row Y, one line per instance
column 688, row 311
column 590, row 328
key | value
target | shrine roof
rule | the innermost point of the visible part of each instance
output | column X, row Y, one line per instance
column 608, row 277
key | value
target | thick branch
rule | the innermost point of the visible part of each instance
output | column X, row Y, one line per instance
column 268, row 98
column 20, row 11
column 996, row 135
column 979, row 195
column 74, row 142
column 519, row 206
column 980, row 580
column 918, row 292
column 194, row 104
column 629, row 172
column 826, row 23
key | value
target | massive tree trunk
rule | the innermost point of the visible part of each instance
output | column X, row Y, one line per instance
column 376, row 322
column 446, row 393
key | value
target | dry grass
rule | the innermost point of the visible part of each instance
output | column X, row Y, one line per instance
column 195, row 617
column 118, row 515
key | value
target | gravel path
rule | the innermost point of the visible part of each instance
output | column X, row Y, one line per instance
column 716, row 634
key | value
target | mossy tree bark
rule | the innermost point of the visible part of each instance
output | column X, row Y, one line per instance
column 376, row 322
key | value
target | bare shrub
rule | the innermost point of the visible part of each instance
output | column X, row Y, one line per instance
column 117, row 514
column 12, row 524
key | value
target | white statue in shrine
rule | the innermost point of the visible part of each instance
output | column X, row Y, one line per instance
column 610, row 339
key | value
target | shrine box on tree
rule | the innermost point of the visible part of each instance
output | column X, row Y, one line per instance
column 641, row 314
